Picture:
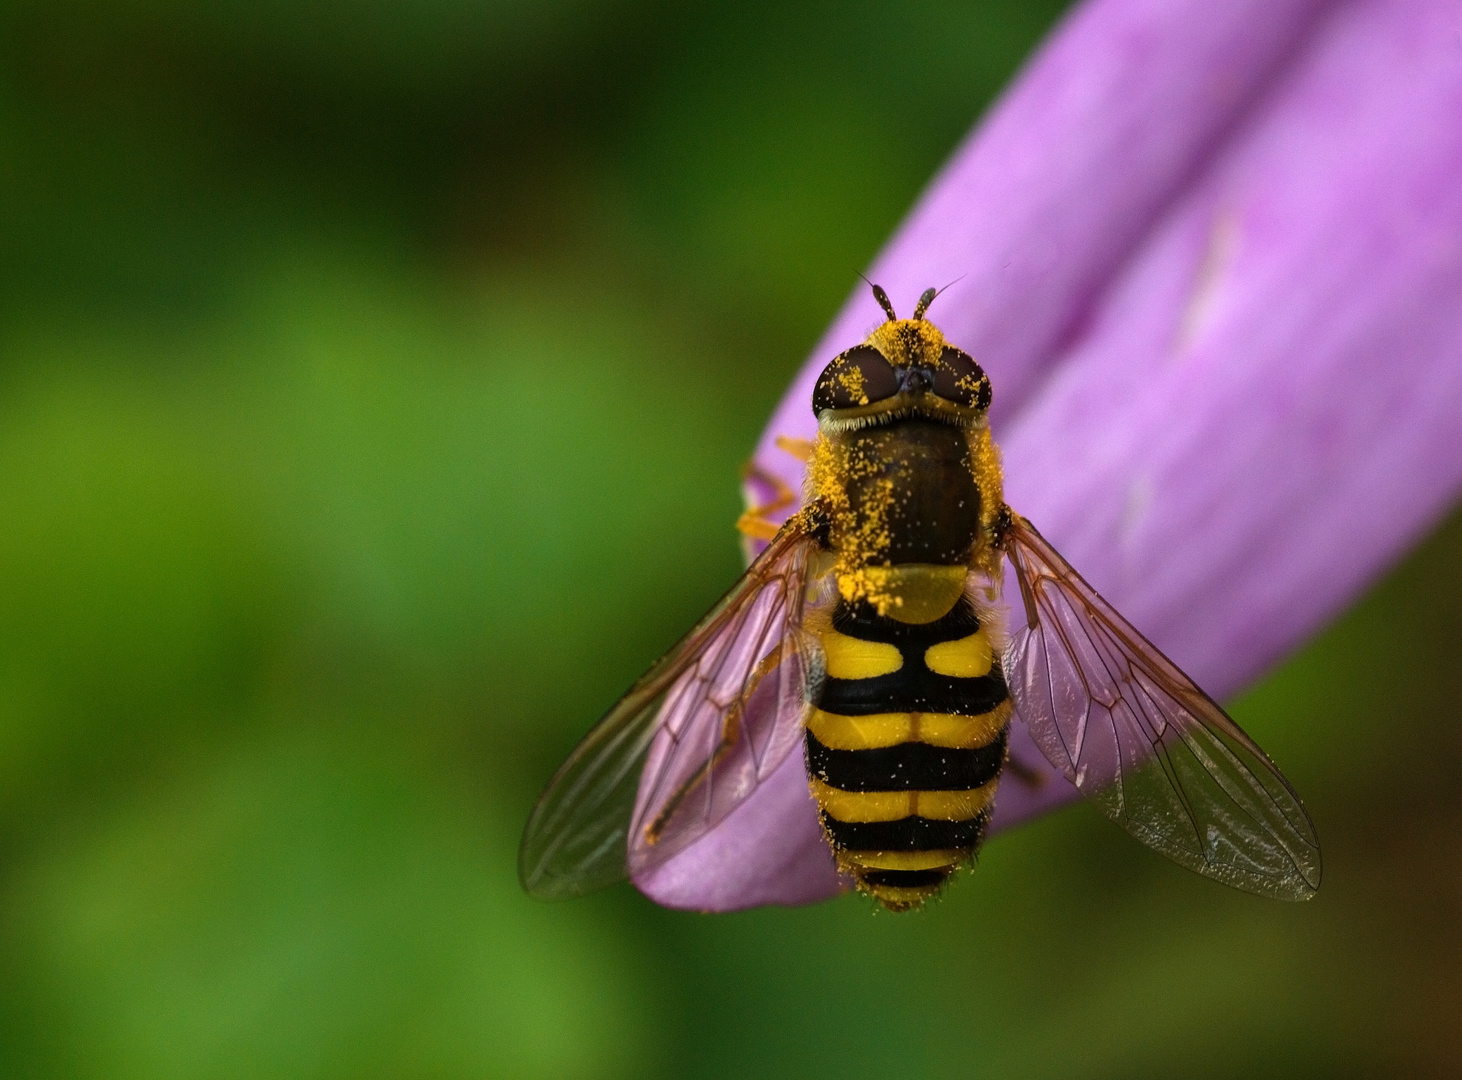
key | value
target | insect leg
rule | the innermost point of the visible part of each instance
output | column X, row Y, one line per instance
column 1028, row 775
column 1003, row 529
column 801, row 449
column 755, row 522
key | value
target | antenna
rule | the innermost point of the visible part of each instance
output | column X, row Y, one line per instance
column 928, row 298
column 883, row 301
column 882, row 298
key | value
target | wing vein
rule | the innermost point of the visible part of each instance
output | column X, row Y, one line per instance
column 1143, row 742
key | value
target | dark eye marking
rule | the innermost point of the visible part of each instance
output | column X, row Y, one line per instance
column 961, row 381
column 859, row 376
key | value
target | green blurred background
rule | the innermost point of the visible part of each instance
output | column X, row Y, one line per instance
column 375, row 377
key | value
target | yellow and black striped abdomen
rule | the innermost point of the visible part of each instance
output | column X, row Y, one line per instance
column 906, row 745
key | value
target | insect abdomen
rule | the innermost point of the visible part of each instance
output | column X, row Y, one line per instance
column 905, row 748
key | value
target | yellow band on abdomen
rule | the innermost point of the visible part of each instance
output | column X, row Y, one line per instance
column 956, row 805
column 954, row 732
column 903, row 860
column 838, row 732
column 863, row 806
column 964, row 658
column 854, row 658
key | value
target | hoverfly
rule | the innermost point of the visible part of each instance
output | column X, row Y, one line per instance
column 869, row 633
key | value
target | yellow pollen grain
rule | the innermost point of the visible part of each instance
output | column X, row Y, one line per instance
column 860, row 537
column 985, row 464
column 851, row 380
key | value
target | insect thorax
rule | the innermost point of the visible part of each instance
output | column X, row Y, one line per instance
column 911, row 493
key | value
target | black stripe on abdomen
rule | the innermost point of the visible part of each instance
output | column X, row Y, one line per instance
column 861, row 621
column 906, row 834
column 906, row 879
column 914, row 688
column 911, row 766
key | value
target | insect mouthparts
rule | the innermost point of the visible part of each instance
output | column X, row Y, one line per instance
column 917, row 381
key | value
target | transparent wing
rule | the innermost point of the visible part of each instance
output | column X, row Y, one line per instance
column 690, row 740
column 1141, row 741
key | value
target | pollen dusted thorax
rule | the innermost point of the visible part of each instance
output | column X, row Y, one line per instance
column 907, row 739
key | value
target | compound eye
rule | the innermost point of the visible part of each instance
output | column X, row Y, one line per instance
column 859, row 376
column 960, row 381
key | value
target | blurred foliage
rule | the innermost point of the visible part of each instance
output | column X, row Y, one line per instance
column 372, row 383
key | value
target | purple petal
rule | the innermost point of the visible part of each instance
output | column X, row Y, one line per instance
column 1047, row 198
column 1214, row 269
column 774, row 853
column 1264, row 414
